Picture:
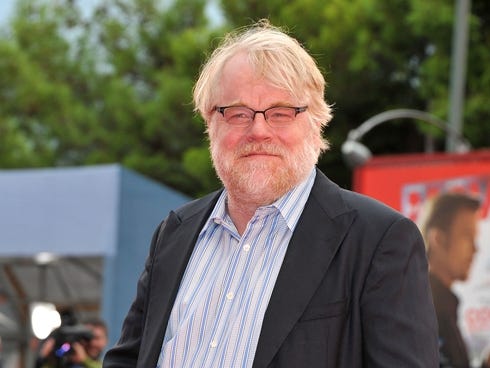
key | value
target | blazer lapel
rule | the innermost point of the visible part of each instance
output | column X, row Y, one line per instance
column 321, row 228
column 170, row 261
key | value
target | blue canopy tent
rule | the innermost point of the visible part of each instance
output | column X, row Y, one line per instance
column 95, row 223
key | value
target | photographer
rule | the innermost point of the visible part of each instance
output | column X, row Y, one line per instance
column 74, row 346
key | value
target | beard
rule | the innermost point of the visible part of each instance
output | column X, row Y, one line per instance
column 260, row 180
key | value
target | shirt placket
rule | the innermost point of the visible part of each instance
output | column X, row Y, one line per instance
column 236, row 285
column 235, row 277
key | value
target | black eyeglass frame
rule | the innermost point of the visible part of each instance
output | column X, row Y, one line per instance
column 297, row 110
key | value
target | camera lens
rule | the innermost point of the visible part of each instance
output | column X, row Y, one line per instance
column 62, row 350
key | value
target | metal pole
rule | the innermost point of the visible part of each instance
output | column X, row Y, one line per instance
column 458, row 72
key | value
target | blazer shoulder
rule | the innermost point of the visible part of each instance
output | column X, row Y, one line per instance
column 336, row 200
column 198, row 205
column 365, row 204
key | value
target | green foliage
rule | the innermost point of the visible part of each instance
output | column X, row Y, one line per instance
column 382, row 55
column 116, row 86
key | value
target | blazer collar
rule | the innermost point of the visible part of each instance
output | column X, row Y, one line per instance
column 320, row 230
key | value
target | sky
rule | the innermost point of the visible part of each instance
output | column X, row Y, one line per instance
column 7, row 9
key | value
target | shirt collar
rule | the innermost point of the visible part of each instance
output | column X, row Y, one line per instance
column 290, row 205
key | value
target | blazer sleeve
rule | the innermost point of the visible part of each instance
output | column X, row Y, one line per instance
column 125, row 352
column 397, row 312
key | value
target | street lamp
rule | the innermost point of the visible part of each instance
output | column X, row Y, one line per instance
column 355, row 153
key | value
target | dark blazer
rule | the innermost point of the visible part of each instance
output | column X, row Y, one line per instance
column 352, row 291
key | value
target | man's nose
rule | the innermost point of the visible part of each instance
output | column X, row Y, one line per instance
column 259, row 126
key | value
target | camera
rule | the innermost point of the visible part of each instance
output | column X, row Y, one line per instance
column 64, row 337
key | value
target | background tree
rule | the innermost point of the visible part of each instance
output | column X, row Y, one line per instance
column 116, row 86
column 382, row 55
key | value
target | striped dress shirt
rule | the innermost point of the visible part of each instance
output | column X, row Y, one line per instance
column 218, row 312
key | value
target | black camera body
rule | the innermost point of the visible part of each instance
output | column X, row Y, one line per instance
column 64, row 337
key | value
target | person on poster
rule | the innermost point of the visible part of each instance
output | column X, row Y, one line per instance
column 450, row 232
column 280, row 268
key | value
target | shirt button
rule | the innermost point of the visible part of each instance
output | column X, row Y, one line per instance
column 246, row 247
column 230, row 296
column 213, row 344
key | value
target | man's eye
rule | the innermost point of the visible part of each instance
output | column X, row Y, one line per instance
column 281, row 114
column 278, row 114
column 239, row 115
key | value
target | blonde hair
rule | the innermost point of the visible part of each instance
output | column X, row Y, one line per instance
column 278, row 58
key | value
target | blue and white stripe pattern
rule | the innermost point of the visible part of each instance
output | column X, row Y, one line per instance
column 217, row 315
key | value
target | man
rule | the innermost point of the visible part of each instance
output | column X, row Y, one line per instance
column 281, row 268
column 85, row 353
column 450, row 231
column 90, row 354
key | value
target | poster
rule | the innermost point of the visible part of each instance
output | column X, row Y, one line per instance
column 409, row 184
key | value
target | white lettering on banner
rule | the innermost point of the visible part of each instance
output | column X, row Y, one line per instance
column 477, row 319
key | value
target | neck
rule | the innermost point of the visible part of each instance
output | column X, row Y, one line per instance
column 241, row 212
column 442, row 275
column 242, row 206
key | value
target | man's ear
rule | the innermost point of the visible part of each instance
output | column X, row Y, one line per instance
column 437, row 240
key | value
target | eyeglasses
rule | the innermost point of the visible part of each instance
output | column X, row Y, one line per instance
column 276, row 116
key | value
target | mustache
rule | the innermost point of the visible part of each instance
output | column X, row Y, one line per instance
column 263, row 148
